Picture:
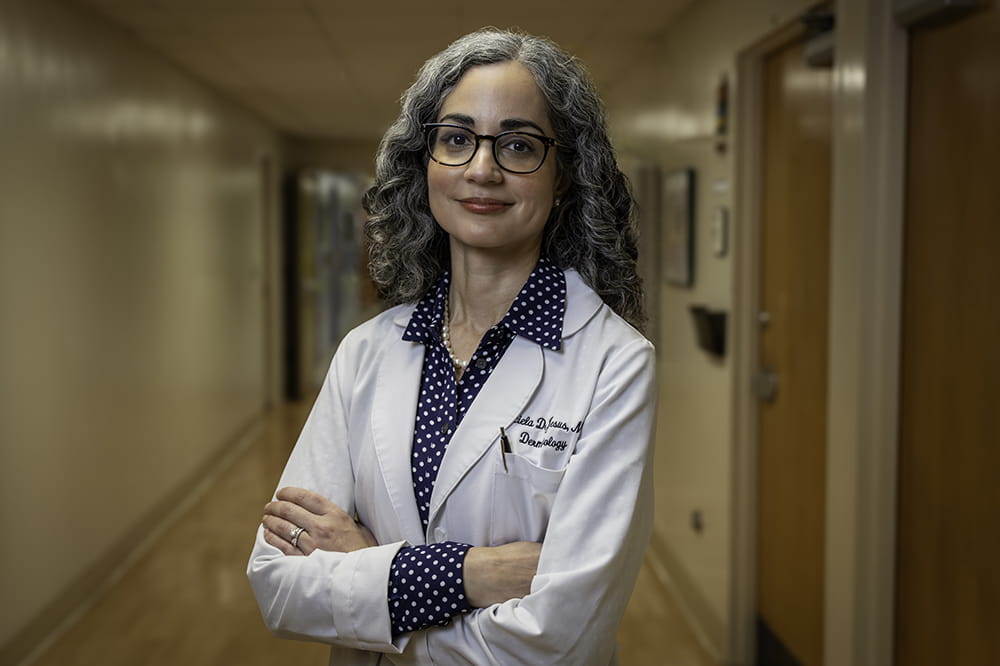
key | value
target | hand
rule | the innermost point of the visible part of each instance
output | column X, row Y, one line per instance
column 325, row 525
column 495, row 574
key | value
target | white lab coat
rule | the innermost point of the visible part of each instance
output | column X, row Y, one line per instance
column 579, row 421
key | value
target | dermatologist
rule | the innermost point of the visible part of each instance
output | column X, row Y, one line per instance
column 473, row 484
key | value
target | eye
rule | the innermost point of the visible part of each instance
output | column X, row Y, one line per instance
column 520, row 144
column 454, row 138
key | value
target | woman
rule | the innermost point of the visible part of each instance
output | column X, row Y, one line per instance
column 473, row 483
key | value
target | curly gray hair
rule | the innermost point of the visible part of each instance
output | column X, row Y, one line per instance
column 593, row 230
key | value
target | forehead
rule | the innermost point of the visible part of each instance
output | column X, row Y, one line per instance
column 492, row 93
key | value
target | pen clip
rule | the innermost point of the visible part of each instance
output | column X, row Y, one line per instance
column 504, row 448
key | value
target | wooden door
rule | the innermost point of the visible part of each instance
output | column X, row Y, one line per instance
column 794, row 258
column 948, row 539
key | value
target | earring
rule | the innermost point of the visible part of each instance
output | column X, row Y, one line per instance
column 557, row 202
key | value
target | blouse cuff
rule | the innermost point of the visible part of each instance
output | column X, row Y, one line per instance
column 426, row 586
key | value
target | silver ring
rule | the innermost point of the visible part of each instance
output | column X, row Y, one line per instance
column 296, row 533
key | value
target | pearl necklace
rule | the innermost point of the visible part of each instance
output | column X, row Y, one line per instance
column 446, row 338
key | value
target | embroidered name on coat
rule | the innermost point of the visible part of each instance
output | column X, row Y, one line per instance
column 557, row 444
column 544, row 424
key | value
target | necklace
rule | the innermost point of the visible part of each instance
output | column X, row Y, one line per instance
column 446, row 338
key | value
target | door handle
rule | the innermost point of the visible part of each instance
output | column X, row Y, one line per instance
column 765, row 384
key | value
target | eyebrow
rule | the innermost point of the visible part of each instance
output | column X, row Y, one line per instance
column 507, row 124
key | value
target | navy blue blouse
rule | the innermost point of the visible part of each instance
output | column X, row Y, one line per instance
column 425, row 582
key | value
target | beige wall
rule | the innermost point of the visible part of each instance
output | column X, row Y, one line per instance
column 131, row 280
column 663, row 112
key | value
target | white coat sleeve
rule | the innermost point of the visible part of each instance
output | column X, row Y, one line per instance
column 597, row 535
column 331, row 597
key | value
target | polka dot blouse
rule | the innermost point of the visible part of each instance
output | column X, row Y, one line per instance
column 425, row 581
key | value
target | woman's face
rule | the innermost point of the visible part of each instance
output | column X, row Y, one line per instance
column 481, row 206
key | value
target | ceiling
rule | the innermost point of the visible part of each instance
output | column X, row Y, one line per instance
column 335, row 70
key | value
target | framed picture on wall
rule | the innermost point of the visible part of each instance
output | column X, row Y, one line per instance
column 677, row 205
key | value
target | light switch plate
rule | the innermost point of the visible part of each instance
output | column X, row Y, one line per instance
column 719, row 231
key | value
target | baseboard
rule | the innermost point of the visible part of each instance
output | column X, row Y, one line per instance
column 707, row 626
column 64, row 611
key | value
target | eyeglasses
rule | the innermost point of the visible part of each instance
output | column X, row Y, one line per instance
column 516, row 152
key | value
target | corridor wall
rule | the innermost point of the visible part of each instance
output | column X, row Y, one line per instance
column 133, row 261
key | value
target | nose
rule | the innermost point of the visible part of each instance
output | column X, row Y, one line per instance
column 483, row 167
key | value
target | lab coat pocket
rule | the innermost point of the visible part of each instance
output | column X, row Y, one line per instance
column 522, row 500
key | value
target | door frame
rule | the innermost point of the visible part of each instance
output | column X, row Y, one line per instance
column 866, row 231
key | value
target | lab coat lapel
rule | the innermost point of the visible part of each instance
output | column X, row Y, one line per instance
column 394, row 404
column 501, row 400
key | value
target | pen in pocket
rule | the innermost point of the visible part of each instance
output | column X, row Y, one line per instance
column 504, row 447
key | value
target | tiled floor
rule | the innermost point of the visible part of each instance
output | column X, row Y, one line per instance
column 187, row 602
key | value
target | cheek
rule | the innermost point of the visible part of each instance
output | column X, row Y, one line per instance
column 549, row 183
column 436, row 194
column 542, row 193
column 437, row 183
column 431, row 183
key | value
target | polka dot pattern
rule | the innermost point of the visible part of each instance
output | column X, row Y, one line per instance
column 426, row 588
column 444, row 401
column 536, row 314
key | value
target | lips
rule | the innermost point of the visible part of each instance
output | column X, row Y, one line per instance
column 483, row 205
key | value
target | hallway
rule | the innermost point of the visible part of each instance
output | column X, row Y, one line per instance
column 186, row 599
column 181, row 244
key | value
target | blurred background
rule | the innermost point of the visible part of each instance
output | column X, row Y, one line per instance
column 181, row 252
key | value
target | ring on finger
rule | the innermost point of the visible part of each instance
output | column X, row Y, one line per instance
column 296, row 533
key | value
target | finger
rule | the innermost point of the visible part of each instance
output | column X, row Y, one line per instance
column 306, row 543
column 279, row 543
column 291, row 512
column 280, row 527
column 308, row 500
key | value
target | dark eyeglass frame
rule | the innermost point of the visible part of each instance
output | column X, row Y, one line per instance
column 547, row 141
